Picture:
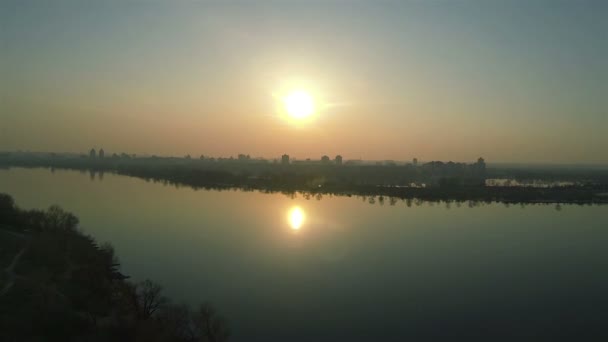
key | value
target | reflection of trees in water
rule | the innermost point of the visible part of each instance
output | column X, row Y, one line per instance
column 394, row 200
column 339, row 181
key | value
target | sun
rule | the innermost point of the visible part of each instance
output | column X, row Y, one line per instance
column 299, row 104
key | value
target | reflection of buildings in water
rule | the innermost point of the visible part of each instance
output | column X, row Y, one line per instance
column 93, row 174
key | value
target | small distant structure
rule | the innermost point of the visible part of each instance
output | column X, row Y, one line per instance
column 415, row 161
column 325, row 160
column 92, row 153
column 102, row 153
column 285, row 159
column 244, row 157
column 481, row 167
column 338, row 160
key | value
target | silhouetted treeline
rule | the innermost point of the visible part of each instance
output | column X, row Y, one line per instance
column 246, row 171
column 58, row 284
column 587, row 175
column 430, row 181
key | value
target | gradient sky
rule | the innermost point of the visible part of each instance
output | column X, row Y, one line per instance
column 513, row 81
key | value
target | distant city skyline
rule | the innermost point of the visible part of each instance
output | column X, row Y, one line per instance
column 512, row 81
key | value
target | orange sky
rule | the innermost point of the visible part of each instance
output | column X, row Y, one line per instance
column 450, row 82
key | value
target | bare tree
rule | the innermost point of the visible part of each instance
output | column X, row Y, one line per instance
column 178, row 322
column 149, row 298
column 211, row 327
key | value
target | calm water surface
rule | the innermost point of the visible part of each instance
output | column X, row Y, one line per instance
column 286, row 269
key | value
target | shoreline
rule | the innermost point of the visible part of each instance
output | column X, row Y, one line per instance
column 575, row 194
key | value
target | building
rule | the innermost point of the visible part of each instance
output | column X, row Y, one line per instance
column 92, row 153
column 325, row 160
column 415, row 161
column 101, row 153
column 338, row 160
column 480, row 167
column 285, row 159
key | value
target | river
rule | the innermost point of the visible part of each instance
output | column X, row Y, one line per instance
column 288, row 268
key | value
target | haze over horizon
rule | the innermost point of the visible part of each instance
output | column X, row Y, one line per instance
column 512, row 82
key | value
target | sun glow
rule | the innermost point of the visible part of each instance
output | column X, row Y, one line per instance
column 299, row 104
column 296, row 218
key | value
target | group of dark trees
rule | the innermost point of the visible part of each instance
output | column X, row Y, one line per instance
column 447, row 181
column 58, row 284
column 245, row 171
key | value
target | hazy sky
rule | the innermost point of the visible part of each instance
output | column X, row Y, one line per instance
column 519, row 81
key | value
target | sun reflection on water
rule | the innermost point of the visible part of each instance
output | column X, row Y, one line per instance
column 296, row 217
